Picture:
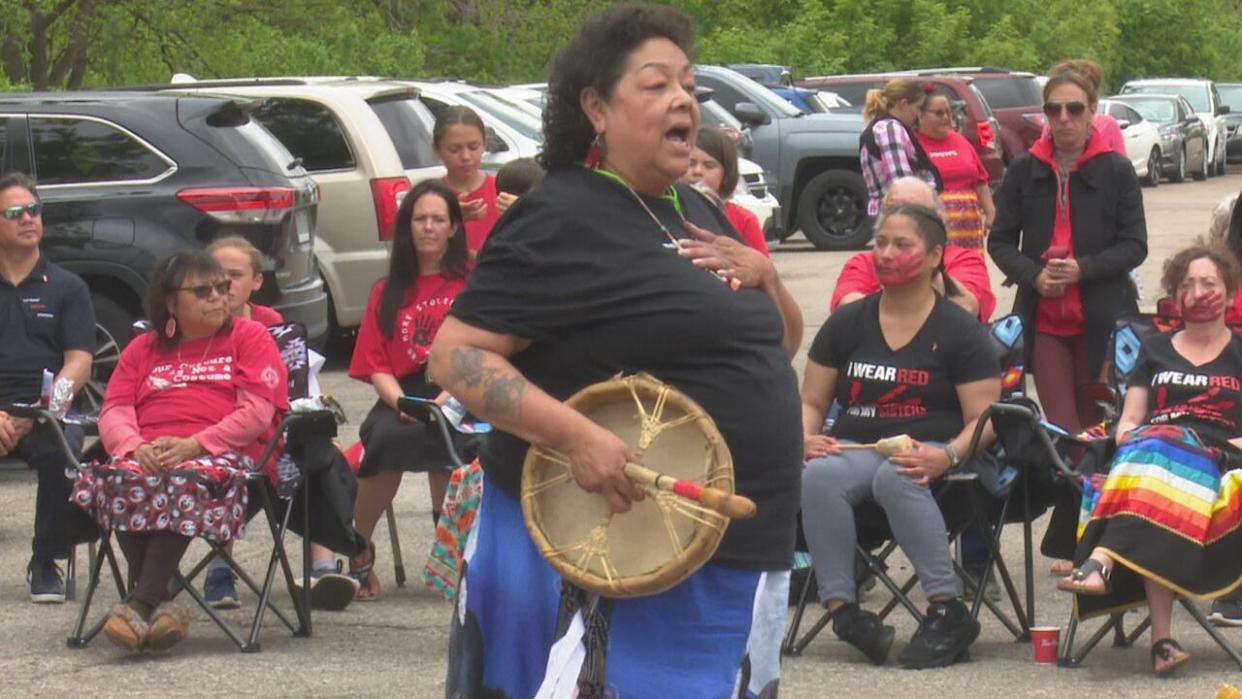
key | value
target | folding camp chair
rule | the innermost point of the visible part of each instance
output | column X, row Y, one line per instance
column 984, row 510
column 307, row 418
column 1128, row 337
column 427, row 411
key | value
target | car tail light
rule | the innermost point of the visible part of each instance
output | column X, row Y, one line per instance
column 987, row 138
column 387, row 193
column 241, row 204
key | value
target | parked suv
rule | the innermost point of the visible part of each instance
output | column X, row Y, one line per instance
column 1203, row 97
column 363, row 141
column 974, row 117
column 810, row 161
column 126, row 178
column 1231, row 97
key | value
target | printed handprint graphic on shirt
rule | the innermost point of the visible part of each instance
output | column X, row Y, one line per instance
column 424, row 330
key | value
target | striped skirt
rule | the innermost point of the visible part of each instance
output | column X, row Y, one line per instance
column 965, row 218
column 1165, row 513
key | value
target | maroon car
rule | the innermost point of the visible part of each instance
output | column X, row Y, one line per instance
column 974, row 118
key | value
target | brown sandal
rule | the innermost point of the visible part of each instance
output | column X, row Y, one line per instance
column 362, row 569
column 169, row 625
column 1164, row 650
column 125, row 627
column 1076, row 582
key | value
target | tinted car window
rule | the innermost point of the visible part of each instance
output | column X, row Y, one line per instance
column 1231, row 96
column 1120, row 111
column 725, row 94
column 1005, row 93
column 1196, row 95
column 309, row 131
column 854, row 93
column 406, row 121
column 74, row 150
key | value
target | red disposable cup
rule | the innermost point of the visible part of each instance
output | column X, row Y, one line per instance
column 1045, row 641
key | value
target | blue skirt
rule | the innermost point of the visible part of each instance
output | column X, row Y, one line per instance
column 514, row 633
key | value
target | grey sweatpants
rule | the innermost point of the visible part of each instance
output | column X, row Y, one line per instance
column 833, row 485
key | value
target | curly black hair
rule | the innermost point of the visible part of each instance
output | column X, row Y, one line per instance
column 596, row 58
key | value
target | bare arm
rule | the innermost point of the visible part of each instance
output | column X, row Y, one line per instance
column 926, row 463
column 473, row 365
column 76, row 368
column 1133, row 409
column 387, row 388
column 851, row 297
column 985, row 201
column 819, row 389
column 791, row 313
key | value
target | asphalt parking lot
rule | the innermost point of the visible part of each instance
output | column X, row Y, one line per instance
column 396, row 646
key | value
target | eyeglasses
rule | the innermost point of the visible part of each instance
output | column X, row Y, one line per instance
column 942, row 113
column 1054, row 109
column 202, row 292
column 13, row 213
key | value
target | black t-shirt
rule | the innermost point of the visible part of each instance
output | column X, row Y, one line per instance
column 1207, row 399
column 912, row 390
column 48, row 313
column 579, row 267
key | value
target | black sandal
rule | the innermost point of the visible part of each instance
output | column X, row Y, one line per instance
column 1163, row 650
column 1073, row 583
column 361, row 568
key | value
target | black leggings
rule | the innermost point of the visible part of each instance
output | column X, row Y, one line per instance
column 153, row 558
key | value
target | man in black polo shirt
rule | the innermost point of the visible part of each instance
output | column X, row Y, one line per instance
column 46, row 322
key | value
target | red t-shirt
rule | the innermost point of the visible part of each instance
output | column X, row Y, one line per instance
column 956, row 159
column 478, row 229
column 185, row 390
column 266, row 315
column 747, row 225
column 963, row 264
column 422, row 311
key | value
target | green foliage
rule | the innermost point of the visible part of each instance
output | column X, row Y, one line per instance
column 51, row 44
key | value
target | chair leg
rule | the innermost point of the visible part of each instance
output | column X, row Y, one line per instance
column 398, row 565
column 790, row 645
column 1028, row 548
column 1211, row 630
column 77, row 637
column 71, row 574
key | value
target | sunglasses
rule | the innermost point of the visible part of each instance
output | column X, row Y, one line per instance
column 14, row 213
column 942, row 113
column 1054, row 109
column 202, row 292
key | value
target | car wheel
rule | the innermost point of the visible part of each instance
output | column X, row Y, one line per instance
column 1179, row 172
column 113, row 330
column 832, row 211
column 1153, row 168
column 1204, row 166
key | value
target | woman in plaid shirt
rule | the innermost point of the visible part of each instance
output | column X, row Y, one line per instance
column 888, row 149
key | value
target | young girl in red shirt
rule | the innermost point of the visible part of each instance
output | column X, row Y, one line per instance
column 459, row 139
column 713, row 165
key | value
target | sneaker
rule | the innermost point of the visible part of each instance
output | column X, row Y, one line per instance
column 1226, row 612
column 220, row 589
column 864, row 631
column 330, row 590
column 46, row 584
column 943, row 638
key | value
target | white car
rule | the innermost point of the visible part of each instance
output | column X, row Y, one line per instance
column 754, row 195
column 1142, row 139
column 1205, row 100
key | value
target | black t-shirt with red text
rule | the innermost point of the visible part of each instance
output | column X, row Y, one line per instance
column 1207, row 398
column 911, row 390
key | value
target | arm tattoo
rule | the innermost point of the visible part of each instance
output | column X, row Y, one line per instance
column 502, row 394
